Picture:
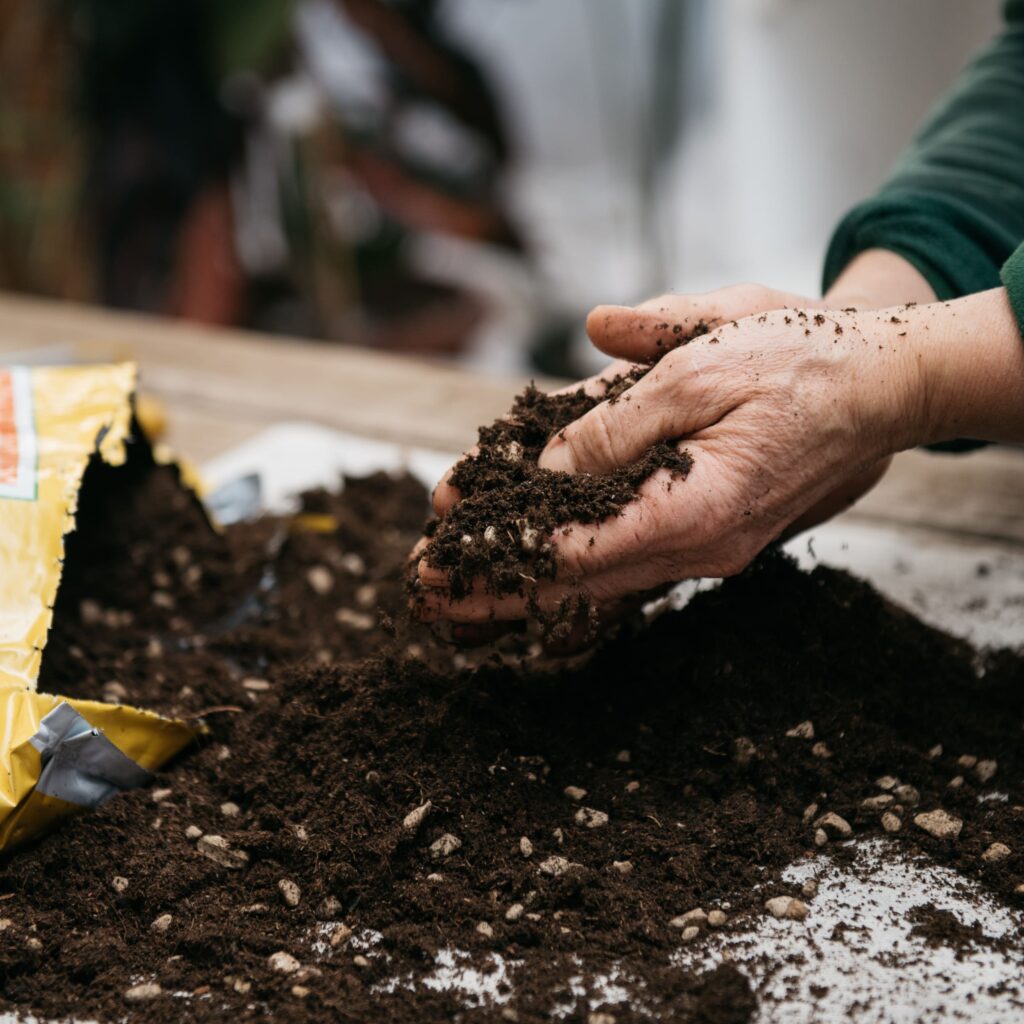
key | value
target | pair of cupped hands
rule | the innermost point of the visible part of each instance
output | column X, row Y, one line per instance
column 790, row 408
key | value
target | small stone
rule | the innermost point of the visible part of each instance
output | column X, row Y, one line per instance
column 984, row 771
column 490, row 536
column 940, row 824
column 956, row 782
column 255, row 908
column 340, row 935
column 161, row 923
column 689, row 934
column 623, row 757
column 300, row 991
column 744, row 750
column 514, row 912
column 445, row 846
column 588, row 817
column 820, row 749
column 291, row 894
column 356, row 620
column 282, row 962
column 90, row 612
column 218, row 849
column 435, row 876
column 484, row 929
column 320, row 579
column 143, row 993
column 907, row 795
column 995, row 853
column 5, row 924
column 230, row 809
column 786, row 908
column 119, row 884
column 352, row 563
column 525, row 847
column 241, row 986
column 632, row 787
column 803, row 731
column 158, row 796
column 834, row 825
column 554, row 866
column 361, row 962
column 412, row 821
column 574, row 792
column 935, row 752
column 114, row 691
column 887, row 782
column 193, row 832
column 507, row 1012
column 891, row 822
column 810, row 888
column 163, row 600
column 695, row 916
column 967, row 761
column 623, row 867
column 876, row 803
column 1019, row 888
column 820, row 837
column 366, row 595
column 558, row 835
column 329, row 909
column 600, row 1018
column 810, row 812
column 254, row 685
column 717, row 918
column 34, row 944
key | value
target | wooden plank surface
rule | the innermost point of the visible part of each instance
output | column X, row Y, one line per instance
column 222, row 387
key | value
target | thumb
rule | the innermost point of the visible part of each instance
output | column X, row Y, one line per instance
column 645, row 332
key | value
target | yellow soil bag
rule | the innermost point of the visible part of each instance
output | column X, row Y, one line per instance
column 58, row 755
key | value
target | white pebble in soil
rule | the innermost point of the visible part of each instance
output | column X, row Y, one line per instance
column 873, row 968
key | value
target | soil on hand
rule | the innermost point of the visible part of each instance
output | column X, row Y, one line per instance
column 367, row 802
column 498, row 535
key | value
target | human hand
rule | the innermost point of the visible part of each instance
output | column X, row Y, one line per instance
column 777, row 410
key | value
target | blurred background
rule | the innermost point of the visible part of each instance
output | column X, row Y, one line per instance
column 457, row 178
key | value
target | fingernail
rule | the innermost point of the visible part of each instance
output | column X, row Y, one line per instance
column 557, row 456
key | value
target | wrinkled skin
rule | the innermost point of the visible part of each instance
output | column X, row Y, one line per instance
column 790, row 412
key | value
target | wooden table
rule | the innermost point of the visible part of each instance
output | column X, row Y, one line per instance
column 222, row 387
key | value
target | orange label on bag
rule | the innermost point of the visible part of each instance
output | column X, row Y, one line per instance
column 17, row 435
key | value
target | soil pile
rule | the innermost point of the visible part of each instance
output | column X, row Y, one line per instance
column 366, row 802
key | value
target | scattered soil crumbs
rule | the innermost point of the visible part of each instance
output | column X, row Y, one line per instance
column 366, row 802
column 939, row 927
column 498, row 533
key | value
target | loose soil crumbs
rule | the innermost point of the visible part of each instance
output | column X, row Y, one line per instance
column 365, row 802
column 499, row 533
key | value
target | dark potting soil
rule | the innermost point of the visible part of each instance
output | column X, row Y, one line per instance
column 497, row 535
column 327, row 729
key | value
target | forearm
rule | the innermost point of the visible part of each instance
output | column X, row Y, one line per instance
column 967, row 357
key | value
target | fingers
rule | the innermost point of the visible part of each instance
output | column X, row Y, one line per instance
column 445, row 495
column 678, row 397
column 642, row 333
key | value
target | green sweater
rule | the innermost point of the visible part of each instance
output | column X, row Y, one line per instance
column 954, row 206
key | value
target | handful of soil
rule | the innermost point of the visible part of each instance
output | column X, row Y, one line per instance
column 499, row 533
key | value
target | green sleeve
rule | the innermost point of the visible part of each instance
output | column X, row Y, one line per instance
column 954, row 206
